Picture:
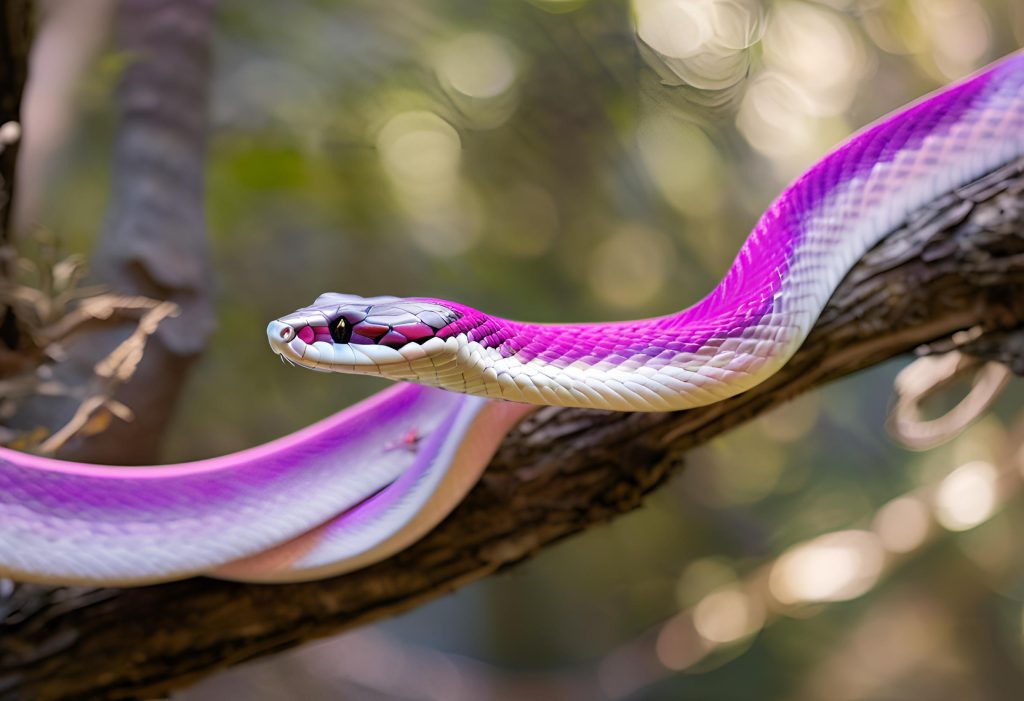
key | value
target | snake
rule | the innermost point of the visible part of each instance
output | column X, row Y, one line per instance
column 369, row 481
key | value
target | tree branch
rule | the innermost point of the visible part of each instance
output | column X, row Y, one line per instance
column 957, row 264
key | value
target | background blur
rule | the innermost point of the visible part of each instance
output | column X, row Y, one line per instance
column 571, row 160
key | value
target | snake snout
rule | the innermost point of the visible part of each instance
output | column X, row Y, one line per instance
column 280, row 332
column 286, row 339
column 283, row 332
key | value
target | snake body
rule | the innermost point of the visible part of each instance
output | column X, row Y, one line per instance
column 741, row 333
column 370, row 480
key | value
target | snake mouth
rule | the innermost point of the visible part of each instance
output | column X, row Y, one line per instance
column 307, row 345
column 312, row 346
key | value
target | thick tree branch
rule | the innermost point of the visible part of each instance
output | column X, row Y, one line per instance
column 957, row 264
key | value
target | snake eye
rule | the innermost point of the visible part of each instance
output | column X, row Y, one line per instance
column 341, row 331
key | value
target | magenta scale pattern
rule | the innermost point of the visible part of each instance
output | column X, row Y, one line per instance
column 751, row 288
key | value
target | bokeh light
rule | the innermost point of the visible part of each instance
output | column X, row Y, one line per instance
column 704, row 43
column 959, row 34
column 702, row 576
column 814, row 64
column 727, row 614
column 968, row 496
column 479, row 71
column 817, row 48
column 678, row 645
column 422, row 153
column 833, row 567
column 477, row 64
column 902, row 524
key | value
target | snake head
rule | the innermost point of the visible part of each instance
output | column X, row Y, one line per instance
column 366, row 335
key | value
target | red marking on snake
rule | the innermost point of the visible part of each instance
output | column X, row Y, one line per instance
column 410, row 441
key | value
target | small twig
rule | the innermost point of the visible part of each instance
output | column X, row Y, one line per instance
column 51, row 305
column 100, row 307
column 115, row 369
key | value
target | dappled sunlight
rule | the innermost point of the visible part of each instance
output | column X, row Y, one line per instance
column 701, row 577
column 679, row 645
column 902, row 524
column 814, row 65
column 477, row 65
column 704, row 43
column 479, row 71
column 959, row 34
column 821, row 51
column 727, row 614
column 833, row 567
column 968, row 496
column 421, row 153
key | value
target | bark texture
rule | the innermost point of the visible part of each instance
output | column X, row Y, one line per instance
column 956, row 265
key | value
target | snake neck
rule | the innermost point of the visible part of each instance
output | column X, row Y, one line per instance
column 659, row 364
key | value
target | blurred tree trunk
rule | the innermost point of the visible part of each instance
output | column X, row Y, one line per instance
column 154, row 240
column 15, row 39
column 68, row 37
column 957, row 264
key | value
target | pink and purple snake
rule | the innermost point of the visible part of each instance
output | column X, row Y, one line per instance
column 369, row 481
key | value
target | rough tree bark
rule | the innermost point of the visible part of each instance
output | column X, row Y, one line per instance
column 957, row 264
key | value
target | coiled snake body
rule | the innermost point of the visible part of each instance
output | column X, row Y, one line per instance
column 349, row 491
